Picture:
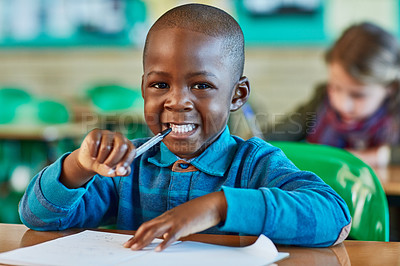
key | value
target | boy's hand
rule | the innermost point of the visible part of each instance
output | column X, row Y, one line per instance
column 102, row 152
column 191, row 217
column 106, row 153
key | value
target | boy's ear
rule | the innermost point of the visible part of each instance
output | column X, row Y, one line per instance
column 241, row 94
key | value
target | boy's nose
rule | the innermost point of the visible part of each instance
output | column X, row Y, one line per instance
column 178, row 100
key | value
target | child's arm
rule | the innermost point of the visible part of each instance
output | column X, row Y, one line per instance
column 375, row 157
column 191, row 217
column 65, row 194
column 276, row 199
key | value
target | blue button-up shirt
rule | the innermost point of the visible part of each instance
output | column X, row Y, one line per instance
column 265, row 194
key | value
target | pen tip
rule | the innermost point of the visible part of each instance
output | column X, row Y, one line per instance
column 166, row 132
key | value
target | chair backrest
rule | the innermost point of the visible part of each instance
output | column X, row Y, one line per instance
column 115, row 98
column 352, row 179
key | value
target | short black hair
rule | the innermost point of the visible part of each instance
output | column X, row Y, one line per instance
column 211, row 21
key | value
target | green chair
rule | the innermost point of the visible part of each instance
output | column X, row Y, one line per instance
column 52, row 112
column 352, row 179
column 9, row 207
column 120, row 109
column 111, row 98
column 10, row 99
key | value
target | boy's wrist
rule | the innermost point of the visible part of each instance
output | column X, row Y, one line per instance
column 222, row 206
column 73, row 174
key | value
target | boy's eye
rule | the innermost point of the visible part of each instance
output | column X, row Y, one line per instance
column 160, row 85
column 201, row 86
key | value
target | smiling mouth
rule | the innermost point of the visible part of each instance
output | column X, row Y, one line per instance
column 182, row 129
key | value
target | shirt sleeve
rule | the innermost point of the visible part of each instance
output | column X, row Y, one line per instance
column 288, row 205
column 48, row 205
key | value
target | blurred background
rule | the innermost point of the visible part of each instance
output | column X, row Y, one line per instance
column 68, row 66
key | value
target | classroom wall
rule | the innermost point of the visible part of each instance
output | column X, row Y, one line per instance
column 279, row 77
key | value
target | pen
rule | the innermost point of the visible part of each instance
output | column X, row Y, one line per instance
column 146, row 146
column 151, row 142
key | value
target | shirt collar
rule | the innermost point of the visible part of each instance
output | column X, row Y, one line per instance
column 215, row 160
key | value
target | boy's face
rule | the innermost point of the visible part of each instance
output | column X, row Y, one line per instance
column 188, row 86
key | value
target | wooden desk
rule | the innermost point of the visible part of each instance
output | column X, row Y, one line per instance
column 13, row 236
column 390, row 179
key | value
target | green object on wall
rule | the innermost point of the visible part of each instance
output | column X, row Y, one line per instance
column 352, row 179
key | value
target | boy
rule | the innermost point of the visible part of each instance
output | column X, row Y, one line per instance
column 200, row 177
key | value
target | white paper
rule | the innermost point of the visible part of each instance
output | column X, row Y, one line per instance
column 101, row 248
column 85, row 248
column 262, row 252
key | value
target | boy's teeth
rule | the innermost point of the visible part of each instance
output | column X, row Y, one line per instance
column 182, row 128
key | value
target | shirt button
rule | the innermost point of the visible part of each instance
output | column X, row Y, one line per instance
column 183, row 165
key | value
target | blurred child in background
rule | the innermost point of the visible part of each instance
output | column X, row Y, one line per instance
column 358, row 107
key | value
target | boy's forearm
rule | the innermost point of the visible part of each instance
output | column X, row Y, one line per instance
column 48, row 205
column 73, row 174
column 220, row 203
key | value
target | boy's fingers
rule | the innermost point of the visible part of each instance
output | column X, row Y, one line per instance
column 169, row 238
column 93, row 142
column 119, row 150
column 106, row 145
column 142, row 241
column 139, row 244
column 123, row 167
column 128, row 243
column 145, row 236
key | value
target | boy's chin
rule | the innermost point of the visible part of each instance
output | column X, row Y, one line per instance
column 185, row 154
column 184, row 150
